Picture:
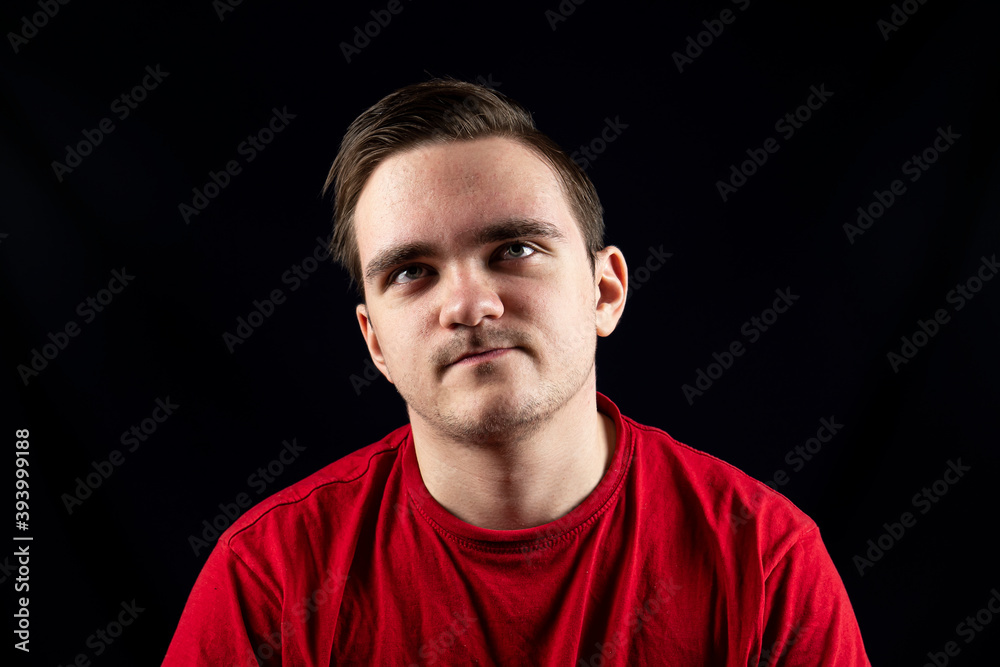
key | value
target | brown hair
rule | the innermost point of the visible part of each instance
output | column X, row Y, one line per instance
column 442, row 110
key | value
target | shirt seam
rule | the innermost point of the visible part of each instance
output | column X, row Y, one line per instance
column 756, row 482
column 273, row 594
column 235, row 534
column 788, row 549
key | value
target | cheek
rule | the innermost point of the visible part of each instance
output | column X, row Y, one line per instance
column 403, row 337
column 562, row 315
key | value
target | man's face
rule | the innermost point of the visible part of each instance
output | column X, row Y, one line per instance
column 466, row 247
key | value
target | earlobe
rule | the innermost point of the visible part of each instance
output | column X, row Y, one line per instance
column 611, row 274
column 370, row 335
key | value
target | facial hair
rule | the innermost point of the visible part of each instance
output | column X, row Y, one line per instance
column 504, row 420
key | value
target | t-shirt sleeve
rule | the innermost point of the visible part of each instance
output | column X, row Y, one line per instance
column 808, row 618
column 229, row 618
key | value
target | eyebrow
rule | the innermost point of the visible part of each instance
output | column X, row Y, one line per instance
column 501, row 230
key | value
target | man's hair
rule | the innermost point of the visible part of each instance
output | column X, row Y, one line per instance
column 443, row 110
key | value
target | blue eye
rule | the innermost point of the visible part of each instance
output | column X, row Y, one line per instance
column 404, row 272
column 526, row 250
column 511, row 251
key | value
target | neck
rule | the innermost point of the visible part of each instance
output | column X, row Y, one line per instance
column 520, row 484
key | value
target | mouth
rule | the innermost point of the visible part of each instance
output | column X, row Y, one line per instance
column 475, row 357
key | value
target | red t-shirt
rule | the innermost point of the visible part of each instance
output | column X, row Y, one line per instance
column 676, row 558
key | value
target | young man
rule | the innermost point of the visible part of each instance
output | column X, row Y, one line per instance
column 519, row 518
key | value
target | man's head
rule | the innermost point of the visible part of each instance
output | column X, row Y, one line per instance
column 443, row 111
column 467, row 244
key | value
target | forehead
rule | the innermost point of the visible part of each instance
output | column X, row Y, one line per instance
column 438, row 191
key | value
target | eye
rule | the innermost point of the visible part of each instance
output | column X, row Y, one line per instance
column 518, row 250
column 408, row 273
column 413, row 272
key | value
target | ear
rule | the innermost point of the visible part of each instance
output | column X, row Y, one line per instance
column 371, row 340
column 610, row 288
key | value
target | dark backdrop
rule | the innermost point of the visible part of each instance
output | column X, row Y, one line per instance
column 681, row 117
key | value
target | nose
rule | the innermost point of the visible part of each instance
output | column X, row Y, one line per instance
column 469, row 296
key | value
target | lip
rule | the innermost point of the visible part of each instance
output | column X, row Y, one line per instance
column 485, row 355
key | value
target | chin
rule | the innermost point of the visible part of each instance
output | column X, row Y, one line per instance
column 495, row 414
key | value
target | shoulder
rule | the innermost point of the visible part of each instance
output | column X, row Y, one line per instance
column 328, row 499
column 726, row 500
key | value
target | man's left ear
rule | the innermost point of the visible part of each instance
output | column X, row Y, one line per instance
column 610, row 288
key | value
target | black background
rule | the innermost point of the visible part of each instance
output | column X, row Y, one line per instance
column 826, row 357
